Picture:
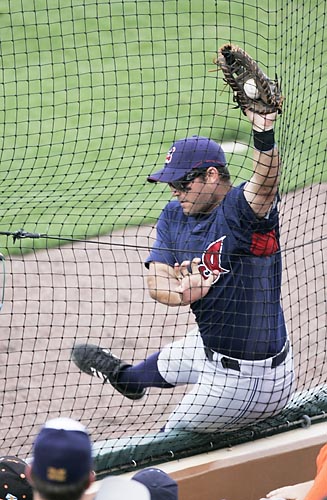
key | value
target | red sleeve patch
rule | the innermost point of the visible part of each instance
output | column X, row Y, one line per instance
column 264, row 244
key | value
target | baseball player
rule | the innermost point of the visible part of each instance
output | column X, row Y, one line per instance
column 217, row 250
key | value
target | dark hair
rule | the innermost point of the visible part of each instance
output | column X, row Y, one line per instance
column 222, row 170
column 50, row 491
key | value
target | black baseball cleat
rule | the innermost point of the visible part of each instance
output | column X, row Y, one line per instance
column 99, row 362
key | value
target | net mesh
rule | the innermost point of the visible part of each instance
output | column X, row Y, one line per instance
column 92, row 95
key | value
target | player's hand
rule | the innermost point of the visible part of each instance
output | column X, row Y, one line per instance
column 294, row 492
column 192, row 286
column 261, row 123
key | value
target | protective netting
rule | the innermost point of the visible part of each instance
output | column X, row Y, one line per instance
column 93, row 93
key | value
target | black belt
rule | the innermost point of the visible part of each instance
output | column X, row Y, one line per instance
column 234, row 364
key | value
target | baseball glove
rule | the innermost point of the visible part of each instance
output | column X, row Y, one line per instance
column 252, row 89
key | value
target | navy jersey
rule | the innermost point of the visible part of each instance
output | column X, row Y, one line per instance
column 241, row 316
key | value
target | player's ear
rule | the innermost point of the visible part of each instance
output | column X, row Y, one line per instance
column 91, row 478
column 213, row 175
column 28, row 471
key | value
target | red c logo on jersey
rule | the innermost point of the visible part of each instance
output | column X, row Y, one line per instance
column 211, row 260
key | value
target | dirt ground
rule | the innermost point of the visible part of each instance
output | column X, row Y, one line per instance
column 96, row 293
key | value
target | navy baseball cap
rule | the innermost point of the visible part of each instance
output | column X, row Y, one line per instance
column 62, row 452
column 13, row 482
column 160, row 484
column 187, row 154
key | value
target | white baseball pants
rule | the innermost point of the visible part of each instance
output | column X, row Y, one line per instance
column 222, row 398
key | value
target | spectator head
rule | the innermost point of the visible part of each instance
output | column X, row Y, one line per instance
column 121, row 488
column 13, row 482
column 159, row 483
column 61, row 467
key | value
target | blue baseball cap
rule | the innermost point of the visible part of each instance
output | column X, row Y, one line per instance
column 62, row 452
column 159, row 483
column 188, row 154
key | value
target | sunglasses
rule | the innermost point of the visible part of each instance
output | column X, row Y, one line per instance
column 183, row 184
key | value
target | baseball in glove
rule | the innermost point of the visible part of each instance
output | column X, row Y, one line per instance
column 252, row 89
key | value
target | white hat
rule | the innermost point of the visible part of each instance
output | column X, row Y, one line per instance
column 121, row 488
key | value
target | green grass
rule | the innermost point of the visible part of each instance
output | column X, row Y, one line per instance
column 93, row 93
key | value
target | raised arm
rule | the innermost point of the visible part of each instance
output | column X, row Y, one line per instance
column 261, row 189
